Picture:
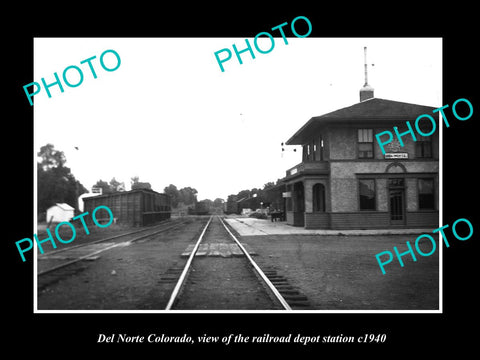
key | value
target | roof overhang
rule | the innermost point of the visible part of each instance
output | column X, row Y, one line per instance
column 373, row 112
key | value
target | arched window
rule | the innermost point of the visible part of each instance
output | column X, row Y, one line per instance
column 319, row 197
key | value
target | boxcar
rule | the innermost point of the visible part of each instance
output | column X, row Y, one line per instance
column 135, row 208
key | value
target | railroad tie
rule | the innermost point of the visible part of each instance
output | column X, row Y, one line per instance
column 292, row 295
column 218, row 249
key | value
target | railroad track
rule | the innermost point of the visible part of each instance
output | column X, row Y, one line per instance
column 89, row 251
column 201, row 273
column 219, row 273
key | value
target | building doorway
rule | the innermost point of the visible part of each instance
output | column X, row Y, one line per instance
column 298, row 204
column 396, row 196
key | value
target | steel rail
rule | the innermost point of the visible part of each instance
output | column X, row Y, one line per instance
column 79, row 259
column 183, row 276
column 259, row 271
column 155, row 227
column 157, row 231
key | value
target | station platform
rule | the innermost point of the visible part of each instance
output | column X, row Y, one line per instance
column 247, row 226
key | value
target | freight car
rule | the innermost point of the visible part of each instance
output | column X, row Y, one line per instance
column 139, row 207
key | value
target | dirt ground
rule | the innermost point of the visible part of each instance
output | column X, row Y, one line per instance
column 342, row 273
column 124, row 278
column 333, row 272
column 223, row 282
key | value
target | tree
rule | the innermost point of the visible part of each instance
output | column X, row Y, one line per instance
column 172, row 191
column 243, row 194
column 55, row 182
column 142, row 185
column 106, row 189
column 218, row 203
column 51, row 158
column 201, row 207
column 111, row 187
column 136, row 184
column 206, row 204
column 188, row 195
column 134, row 180
column 268, row 185
column 116, row 186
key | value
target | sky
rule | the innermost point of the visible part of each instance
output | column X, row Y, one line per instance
column 169, row 115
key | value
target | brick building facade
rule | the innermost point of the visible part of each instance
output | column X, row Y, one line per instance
column 345, row 181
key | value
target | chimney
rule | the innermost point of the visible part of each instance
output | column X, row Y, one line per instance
column 366, row 92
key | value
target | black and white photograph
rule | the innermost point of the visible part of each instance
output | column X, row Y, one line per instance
column 190, row 187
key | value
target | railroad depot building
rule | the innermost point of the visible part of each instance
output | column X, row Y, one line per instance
column 345, row 181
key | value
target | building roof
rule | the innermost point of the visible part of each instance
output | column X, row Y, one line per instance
column 371, row 111
column 63, row 206
column 120, row 193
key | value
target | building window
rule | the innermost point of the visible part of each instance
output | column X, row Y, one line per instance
column 426, row 198
column 318, row 148
column 367, row 194
column 306, row 152
column 365, row 143
column 423, row 147
column 319, row 197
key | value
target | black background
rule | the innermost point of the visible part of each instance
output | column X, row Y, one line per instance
column 76, row 334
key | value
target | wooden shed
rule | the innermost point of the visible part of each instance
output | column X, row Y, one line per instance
column 60, row 212
column 135, row 208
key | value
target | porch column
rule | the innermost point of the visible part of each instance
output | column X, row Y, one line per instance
column 308, row 195
column 293, row 197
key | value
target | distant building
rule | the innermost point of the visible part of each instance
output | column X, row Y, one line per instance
column 345, row 181
column 60, row 212
column 275, row 196
column 135, row 207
